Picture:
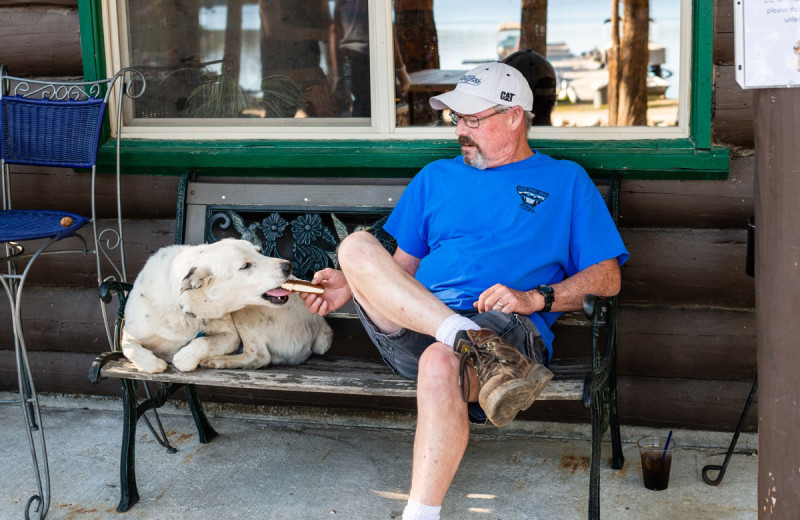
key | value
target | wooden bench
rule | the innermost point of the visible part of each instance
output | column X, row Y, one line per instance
column 305, row 221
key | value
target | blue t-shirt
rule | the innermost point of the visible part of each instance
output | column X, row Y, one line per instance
column 524, row 224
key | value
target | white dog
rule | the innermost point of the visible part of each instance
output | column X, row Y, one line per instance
column 191, row 305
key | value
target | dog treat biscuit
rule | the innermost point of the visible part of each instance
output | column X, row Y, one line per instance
column 66, row 222
column 302, row 286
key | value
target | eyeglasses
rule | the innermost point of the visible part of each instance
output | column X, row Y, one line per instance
column 470, row 121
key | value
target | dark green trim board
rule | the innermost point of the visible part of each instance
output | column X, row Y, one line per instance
column 92, row 44
column 633, row 159
column 682, row 158
column 702, row 72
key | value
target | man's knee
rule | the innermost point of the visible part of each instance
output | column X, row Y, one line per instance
column 355, row 249
column 438, row 366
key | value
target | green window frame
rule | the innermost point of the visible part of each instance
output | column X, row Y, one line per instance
column 692, row 157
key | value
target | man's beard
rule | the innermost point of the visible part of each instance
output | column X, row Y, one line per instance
column 478, row 160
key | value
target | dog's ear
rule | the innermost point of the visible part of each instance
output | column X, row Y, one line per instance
column 196, row 278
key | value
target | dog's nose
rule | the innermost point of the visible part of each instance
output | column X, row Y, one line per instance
column 287, row 268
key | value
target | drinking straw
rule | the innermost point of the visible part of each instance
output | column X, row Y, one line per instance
column 669, row 437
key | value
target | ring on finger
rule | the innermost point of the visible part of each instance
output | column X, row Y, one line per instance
column 498, row 304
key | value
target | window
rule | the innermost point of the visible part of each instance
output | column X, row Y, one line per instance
column 362, row 71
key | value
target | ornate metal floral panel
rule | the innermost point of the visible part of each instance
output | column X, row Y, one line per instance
column 309, row 240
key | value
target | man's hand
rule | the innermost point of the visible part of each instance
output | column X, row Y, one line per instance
column 500, row 298
column 602, row 279
column 336, row 294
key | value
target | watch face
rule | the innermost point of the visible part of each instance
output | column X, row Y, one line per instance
column 547, row 292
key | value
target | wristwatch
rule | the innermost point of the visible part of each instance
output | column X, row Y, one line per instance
column 547, row 292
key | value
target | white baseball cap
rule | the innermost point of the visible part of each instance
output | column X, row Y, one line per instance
column 485, row 86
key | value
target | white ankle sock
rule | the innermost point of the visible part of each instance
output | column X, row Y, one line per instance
column 416, row 511
column 446, row 333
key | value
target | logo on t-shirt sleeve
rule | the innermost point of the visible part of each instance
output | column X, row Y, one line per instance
column 531, row 197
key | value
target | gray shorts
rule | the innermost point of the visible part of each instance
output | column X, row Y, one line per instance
column 402, row 350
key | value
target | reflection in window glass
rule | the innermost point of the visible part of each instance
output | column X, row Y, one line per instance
column 441, row 39
column 286, row 61
column 256, row 59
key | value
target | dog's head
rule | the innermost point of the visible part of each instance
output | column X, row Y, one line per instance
column 216, row 279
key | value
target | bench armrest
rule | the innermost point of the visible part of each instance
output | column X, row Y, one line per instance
column 97, row 365
column 107, row 290
column 601, row 311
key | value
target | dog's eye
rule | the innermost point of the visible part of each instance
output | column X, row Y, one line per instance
column 247, row 265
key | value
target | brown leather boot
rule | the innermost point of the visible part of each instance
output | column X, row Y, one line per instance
column 510, row 381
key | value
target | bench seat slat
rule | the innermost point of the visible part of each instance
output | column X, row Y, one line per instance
column 327, row 375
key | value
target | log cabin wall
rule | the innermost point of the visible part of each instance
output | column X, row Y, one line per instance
column 687, row 333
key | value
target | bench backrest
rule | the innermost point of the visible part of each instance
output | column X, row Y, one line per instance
column 297, row 219
column 301, row 220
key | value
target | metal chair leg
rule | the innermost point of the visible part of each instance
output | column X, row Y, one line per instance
column 714, row 467
column 37, row 505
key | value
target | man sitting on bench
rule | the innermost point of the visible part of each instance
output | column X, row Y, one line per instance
column 492, row 246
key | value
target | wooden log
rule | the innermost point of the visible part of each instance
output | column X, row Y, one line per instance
column 143, row 196
column 686, row 267
column 40, row 40
column 690, row 204
column 667, row 266
column 21, row 3
column 142, row 239
column 723, row 32
column 733, row 109
column 675, row 342
column 696, row 343
column 685, row 403
column 59, row 319
column 724, row 49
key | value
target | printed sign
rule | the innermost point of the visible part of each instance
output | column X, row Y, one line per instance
column 767, row 34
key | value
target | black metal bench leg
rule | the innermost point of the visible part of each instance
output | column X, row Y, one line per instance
column 129, row 494
column 594, row 468
column 617, row 458
column 722, row 469
column 205, row 431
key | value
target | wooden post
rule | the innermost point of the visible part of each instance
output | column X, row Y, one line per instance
column 777, row 277
column 613, row 66
column 633, row 58
column 233, row 40
column 533, row 26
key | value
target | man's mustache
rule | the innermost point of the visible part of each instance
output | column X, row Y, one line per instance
column 463, row 140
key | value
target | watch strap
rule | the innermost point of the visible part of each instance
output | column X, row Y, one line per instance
column 547, row 292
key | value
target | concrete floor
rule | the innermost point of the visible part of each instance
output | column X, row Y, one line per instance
column 306, row 464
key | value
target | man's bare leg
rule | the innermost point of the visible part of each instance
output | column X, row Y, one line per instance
column 394, row 299
column 442, row 424
column 391, row 297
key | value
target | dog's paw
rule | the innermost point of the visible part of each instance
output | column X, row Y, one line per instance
column 214, row 363
column 152, row 366
column 185, row 361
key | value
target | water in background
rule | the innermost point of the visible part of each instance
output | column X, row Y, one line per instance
column 467, row 29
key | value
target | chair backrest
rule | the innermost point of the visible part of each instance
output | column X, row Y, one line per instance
column 55, row 123
column 51, row 123
column 49, row 132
